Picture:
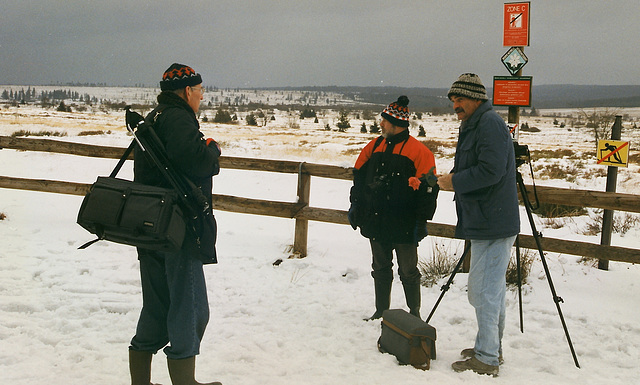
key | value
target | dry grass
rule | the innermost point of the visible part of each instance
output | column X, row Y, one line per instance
column 555, row 154
column 569, row 173
column 441, row 264
column 622, row 223
column 93, row 132
column 526, row 260
column 351, row 152
column 552, row 210
column 21, row 133
column 444, row 260
column 436, row 146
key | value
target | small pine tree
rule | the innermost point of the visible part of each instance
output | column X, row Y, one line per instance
column 421, row 131
column 222, row 116
column 363, row 128
column 343, row 121
column 374, row 129
column 307, row 113
column 63, row 108
column 251, row 120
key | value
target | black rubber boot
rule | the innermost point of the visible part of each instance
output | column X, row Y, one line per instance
column 182, row 372
column 383, row 298
column 140, row 367
column 412, row 296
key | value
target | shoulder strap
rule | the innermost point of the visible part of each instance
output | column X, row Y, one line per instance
column 189, row 193
column 123, row 158
column 377, row 143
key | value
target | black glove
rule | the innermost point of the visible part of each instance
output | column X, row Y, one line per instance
column 352, row 216
column 420, row 231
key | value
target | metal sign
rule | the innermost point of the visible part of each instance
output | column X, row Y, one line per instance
column 516, row 24
column 613, row 153
column 512, row 91
column 514, row 60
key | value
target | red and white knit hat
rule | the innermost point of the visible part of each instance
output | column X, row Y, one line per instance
column 397, row 113
column 179, row 76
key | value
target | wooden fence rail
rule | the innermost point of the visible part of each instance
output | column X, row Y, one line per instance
column 302, row 212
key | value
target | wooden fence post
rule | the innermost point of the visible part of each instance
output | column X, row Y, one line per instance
column 302, row 225
column 612, row 178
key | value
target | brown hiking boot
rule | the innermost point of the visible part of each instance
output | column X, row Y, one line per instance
column 475, row 365
column 470, row 352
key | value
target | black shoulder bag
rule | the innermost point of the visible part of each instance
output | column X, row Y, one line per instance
column 131, row 213
column 148, row 217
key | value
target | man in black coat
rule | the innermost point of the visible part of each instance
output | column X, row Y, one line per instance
column 175, row 309
column 391, row 204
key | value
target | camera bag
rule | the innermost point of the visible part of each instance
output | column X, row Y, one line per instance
column 132, row 213
column 411, row 340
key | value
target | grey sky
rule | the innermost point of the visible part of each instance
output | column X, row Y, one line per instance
column 262, row 43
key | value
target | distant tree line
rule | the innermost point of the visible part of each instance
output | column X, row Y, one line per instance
column 30, row 95
column 22, row 95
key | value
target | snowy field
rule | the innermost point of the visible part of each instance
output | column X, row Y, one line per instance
column 67, row 315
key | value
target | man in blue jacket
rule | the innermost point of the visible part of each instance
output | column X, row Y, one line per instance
column 175, row 309
column 484, row 181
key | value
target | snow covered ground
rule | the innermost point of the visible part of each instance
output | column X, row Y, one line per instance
column 67, row 315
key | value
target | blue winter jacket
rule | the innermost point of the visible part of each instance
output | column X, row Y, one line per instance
column 484, row 178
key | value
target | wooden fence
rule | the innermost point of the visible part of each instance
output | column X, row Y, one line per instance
column 303, row 213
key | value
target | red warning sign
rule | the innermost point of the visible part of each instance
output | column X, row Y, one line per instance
column 512, row 91
column 516, row 25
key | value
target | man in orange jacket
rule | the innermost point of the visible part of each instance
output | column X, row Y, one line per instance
column 391, row 201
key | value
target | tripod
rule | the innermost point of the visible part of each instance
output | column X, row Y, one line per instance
column 536, row 236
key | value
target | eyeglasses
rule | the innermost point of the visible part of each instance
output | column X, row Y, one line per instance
column 199, row 89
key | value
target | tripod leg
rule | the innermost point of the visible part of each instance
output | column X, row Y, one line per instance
column 536, row 237
column 445, row 288
column 519, row 283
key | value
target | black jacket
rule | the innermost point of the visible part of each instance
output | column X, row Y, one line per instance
column 176, row 125
column 387, row 206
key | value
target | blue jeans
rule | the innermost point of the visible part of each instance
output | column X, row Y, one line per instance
column 175, row 309
column 487, row 290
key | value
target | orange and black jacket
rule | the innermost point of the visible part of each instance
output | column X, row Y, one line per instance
column 386, row 200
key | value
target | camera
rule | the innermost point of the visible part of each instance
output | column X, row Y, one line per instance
column 380, row 182
column 522, row 153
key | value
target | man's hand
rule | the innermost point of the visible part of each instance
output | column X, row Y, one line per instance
column 445, row 182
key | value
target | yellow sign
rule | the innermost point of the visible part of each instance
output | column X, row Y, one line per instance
column 613, row 153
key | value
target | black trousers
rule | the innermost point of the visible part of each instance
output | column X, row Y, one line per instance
column 407, row 257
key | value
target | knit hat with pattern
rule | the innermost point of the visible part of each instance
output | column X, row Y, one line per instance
column 470, row 86
column 397, row 113
column 179, row 76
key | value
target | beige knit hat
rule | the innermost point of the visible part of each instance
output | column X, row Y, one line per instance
column 470, row 86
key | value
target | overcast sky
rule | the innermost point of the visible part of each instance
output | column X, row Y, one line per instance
column 262, row 43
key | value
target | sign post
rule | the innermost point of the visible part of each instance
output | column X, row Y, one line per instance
column 612, row 178
column 514, row 93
